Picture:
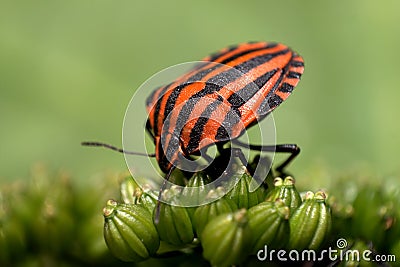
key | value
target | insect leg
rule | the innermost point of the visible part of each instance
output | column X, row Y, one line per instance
column 293, row 149
column 207, row 158
column 220, row 147
column 237, row 152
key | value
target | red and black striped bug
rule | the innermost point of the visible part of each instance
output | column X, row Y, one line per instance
column 181, row 127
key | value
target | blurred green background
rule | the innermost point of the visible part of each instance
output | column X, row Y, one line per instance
column 69, row 68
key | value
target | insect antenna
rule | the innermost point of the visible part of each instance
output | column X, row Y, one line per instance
column 120, row 150
column 162, row 188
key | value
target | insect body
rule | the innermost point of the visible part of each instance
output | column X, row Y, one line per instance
column 218, row 100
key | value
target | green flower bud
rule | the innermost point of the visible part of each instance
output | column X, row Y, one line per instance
column 207, row 212
column 287, row 192
column 132, row 193
column 129, row 231
column 310, row 223
column 241, row 195
column 195, row 190
column 369, row 216
column 146, row 197
column 269, row 222
column 264, row 163
column 173, row 225
column 128, row 189
column 226, row 239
